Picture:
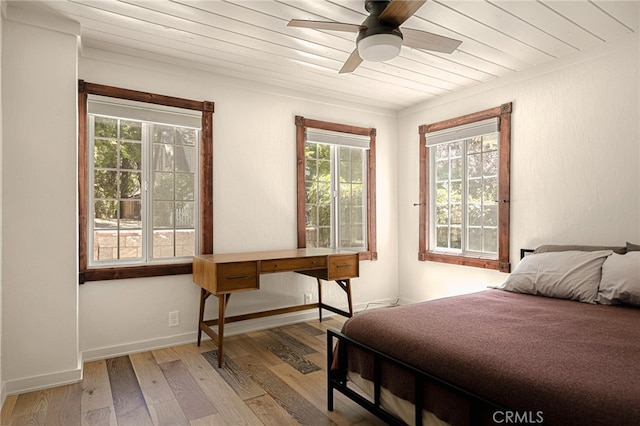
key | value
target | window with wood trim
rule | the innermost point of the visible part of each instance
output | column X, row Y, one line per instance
column 336, row 186
column 464, row 189
column 145, row 183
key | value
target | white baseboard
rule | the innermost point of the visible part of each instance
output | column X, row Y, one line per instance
column 3, row 394
column 192, row 336
column 405, row 301
column 139, row 346
column 231, row 329
column 30, row 384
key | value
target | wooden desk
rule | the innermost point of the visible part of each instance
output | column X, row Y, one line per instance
column 226, row 273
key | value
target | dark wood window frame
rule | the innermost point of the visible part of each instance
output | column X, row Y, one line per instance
column 503, row 112
column 301, row 126
column 206, row 185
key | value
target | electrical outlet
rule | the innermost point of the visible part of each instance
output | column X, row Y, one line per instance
column 174, row 318
column 308, row 298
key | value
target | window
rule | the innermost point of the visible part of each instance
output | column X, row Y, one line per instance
column 335, row 179
column 464, row 190
column 336, row 186
column 145, row 183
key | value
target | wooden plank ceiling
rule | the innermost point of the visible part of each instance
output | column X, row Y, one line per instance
column 250, row 39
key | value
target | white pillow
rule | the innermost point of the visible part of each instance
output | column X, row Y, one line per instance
column 620, row 280
column 564, row 275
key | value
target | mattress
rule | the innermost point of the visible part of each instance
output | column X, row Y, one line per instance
column 552, row 360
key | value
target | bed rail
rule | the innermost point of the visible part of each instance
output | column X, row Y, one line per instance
column 338, row 381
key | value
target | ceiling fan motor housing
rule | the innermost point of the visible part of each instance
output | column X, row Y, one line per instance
column 372, row 23
column 387, row 36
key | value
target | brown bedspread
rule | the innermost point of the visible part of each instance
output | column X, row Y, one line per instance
column 575, row 363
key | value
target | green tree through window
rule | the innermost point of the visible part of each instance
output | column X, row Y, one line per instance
column 335, row 201
column 121, row 228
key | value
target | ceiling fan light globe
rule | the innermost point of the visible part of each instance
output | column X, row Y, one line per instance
column 379, row 47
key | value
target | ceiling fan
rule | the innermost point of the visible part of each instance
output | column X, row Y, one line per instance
column 379, row 36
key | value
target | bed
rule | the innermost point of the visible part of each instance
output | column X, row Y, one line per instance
column 557, row 344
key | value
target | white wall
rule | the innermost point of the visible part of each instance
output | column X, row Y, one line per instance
column 39, row 232
column 254, row 205
column 574, row 162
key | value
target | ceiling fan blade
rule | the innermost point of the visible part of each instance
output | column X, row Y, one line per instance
column 399, row 11
column 324, row 25
column 424, row 40
column 352, row 62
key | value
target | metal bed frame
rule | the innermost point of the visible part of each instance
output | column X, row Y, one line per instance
column 337, row 380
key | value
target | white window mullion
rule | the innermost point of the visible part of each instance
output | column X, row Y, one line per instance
column 450, row 203
column 196, row 211
column 147, row 192
column 432, row 199
column 464, row 232
column 335, row 194
column 365, row 202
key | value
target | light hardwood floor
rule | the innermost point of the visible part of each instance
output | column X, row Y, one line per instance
column 270, row 377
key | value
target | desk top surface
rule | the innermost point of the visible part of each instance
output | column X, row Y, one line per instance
column 271, row 254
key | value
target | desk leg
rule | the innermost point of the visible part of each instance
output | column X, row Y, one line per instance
column 345, row 285
column 319, row 299
column 223, row 299
column 204, row 294
column 347, row 288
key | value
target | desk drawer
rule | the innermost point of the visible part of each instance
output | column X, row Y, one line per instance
column 343, row 266
column 293, row 264
column 236, row 276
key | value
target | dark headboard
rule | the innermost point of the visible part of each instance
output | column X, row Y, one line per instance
column 524, row 252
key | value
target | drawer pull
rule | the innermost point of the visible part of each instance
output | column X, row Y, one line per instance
column 237, row 277
column 346, row 265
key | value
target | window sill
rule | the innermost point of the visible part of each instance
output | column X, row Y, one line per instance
column 476, row 262
column 141, row 271
column 368, row 255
